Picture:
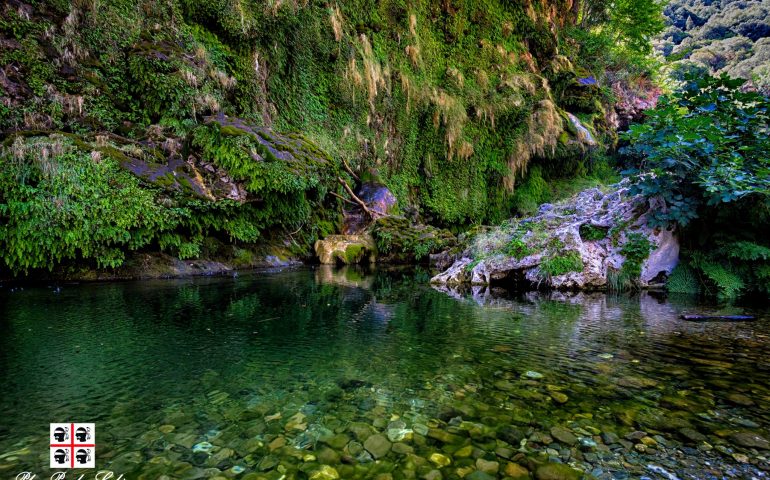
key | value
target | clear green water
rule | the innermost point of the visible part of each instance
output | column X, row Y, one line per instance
column 161, row 366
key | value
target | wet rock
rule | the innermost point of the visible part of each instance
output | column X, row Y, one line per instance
column 297, row 422
column 750, row 440
column 325, row 473
column 402, row 448
column 432, row 475
column 637, row 382
column 444, row 436
column 399, row 434
column 567, row 222
column 557, row 471
column 610, row 438
column 504, row 452
column 649, row 442
column 440, row 460
column 740, row 458
column 420, row 429
column 268, row 462
column 512, row 435
column 563, row 435
column 516, row 471
column 587, row 443
column 336, row 442
column 541, row 437
column 361, row 431
column 533, row 375
column 327, row 456
column 740, row 399
column 277, row 443
column 463, row 472
column 377, row 445
column 635, row 436
column 204, row 447
column 479, row 475
column 559, row 397
column 487, row 466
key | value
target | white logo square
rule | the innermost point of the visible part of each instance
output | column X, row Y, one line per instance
column 73, row 445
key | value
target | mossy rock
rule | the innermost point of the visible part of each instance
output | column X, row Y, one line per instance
column 400, row 241
column 346, row 249
column 557, row 471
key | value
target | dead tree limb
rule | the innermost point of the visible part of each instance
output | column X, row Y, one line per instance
column 355, row 198
column 344, row 199
column 350, row 170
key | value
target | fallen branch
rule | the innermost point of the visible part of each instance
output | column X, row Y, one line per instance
column 718, row 318
column 355, row 198
column 344, row 199
column 350, row 170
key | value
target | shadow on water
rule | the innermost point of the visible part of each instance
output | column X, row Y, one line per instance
column 161, row 366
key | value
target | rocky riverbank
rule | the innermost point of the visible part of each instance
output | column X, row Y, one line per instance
column 600, row 239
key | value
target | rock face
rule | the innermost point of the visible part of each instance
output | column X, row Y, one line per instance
column 595, row 240
column 346, row 249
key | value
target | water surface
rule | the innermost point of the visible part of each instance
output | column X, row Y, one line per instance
column 267, row 375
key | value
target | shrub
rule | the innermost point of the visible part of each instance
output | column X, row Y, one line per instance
column 706, row 144
column 562, row 264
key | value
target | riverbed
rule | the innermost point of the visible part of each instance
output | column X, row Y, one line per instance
column 327, row 373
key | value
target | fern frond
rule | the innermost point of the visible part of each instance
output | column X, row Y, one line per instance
column 726, row 281
column 746, row 251
column 683, row 280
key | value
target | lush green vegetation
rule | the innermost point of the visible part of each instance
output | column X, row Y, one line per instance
column 63, row 199
column 702, row 156
column 451, row 102
column 719, row 37
column 561, row 264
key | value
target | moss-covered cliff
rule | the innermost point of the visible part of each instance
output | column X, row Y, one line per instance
column 172, row 108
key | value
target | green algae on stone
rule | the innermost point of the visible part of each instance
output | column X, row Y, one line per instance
column 557, row 471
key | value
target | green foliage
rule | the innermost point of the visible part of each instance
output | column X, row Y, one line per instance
column 561, row 264
column 590, row 232
column 63, row 199
column 636, row 249
column 733, row 269
column 400, row 241
column 518, row 248
column 705, row 144
column 439, row 97
column 57, row 203
column 632, row 23
column 683, row 280
column 719, row 37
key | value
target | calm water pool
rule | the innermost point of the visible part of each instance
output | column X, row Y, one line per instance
column 318, row 373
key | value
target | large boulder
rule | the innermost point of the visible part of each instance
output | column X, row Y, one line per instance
column 598, row 239
column 346, row 249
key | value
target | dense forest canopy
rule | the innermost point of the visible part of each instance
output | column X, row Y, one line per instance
column 731, row 37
